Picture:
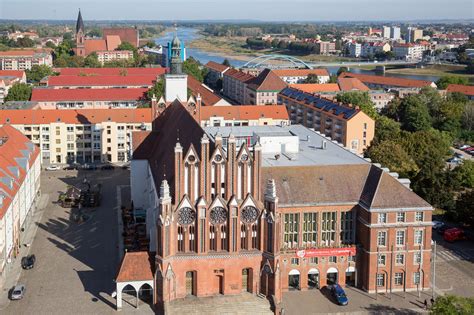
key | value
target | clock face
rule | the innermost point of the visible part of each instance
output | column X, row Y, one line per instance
column 186, row 216
column 249, row 214
column 218, row 215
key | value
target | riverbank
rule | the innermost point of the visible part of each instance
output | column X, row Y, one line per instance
column 434, row 70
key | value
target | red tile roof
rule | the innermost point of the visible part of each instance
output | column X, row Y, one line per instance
column 110, row 80
column 93, row 45
column 388, row 81
column 113, row 41
column 17, row 53
column 245, row 112
column 216, row 66
column 13, row 147
column 351, row 84
column 12, row 73
column 267, row 80
column 300, row 72
column 239, row 75
column 316, row 88
column 126, row 34
column 55, row 95
column 111, row 71
column 208, row 97
column 75, row 116
column 464, row 89
column 135, row 266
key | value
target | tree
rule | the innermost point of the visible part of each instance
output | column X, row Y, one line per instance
column 19, row 92
column 193, row 67
column 312, row 78
column 128, row 46
column 341, row 70
column 464, row 175
column 50, row 44
column 444, row 81
column 361, row 99
column 226, row 62
column 385, row 129
column 453, row 305
column 332, row 79
column 464, row 209
column 38, row 72
column 92, row 61
column 158, row 90
column 391, row 154
column 25, row 42
column 414, row 114
column 150, row 44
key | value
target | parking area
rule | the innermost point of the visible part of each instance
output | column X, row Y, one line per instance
column 76, row 260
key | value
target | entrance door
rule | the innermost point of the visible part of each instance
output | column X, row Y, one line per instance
column 350, row 278
column 58, row 158
column 294, row 280
column 221, row 284
column 245, row 280
column 313, row 280
column 190, row 283
column 331, row 278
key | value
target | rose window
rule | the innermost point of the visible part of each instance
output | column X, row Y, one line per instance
column 186, row 216
column 218, row 215
column 249, row 214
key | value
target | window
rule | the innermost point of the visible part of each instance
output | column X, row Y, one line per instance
column 310, row 229
column 45, row 146
column 70, row 129
column 332, row 259
column 419, row 216
column 381, row 238
column 290, row 236
column 398, row 279
column 380, row 279
column 351, row 258
column 58, row 141
column 418, row 237
column 328, row 228
column 313, row 260
column 417, row 258
column 109, row 140
column 354, row 144
column 400, row 216
column 97, row 146
column 44, row 129
column 346, row 227
column 70, row 146
column 382, row 259
column 365, row 126
column 416, row 277
column 382, row 218
column 399, row 259
column 400, row 236
column 70, row 138
column 295, row 261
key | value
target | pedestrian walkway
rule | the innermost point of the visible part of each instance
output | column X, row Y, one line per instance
column 13, row 269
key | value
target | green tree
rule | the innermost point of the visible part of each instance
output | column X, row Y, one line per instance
column 391, row 154
column 332, row 79
column 386, row 128
column 312, row 78
column 158, row 90
column 19, row 92
column 150, row 44
column 444, row 81
column 361, row 99
column 453, row 305
column 464, row 208
column 25, row 42
column 414, row 114
column 38, row 72
column 92, row 61
column 464, row 174
column 128, row 46
column 193, row 67
column 341, row 70
column 51, row 45
column 226, row 62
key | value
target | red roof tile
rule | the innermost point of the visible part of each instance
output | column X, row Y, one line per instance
column 12, row 73
column 135, row 266
column 92, row 45
column 111, row 71
column 300, row 72
column 239, row 75
column 267, row 80
column 126, row 34
column 316, row 88
column 113, row 41
column 51, row 95
column 207, row 96
column 111, row 80
column 389, row 81
column 351, row 84
column 75, row 116
column 244, row 112
column 464, row 89
column 17, row 53
column 216, row 66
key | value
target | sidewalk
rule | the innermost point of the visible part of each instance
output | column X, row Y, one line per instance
column 13, row 269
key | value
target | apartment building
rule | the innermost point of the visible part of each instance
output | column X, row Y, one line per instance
column 354, row 49
column 264, row 89
column 344, row 124
column 215, row 72
column 408, row 51
column 371, row 49
column 99, row 81
column 244, row 115
column 235, row 85
column 20, row 169
column 295, row 76
column 111, row 71
column 80, row 135
column 325, row 48
column 24, row 59
column 47, row 98
column 7, row 79
column 105, row 55
column 265, row 210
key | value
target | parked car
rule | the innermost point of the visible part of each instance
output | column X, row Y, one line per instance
column 338, row 293
column 464, row 146
column 18, row 292
column 459, row 155
column 437, row 225
column 70, row 168
column 53, row 168
column 469, row 149
column 89, row 167
column 28, row 262
column 454, row 234
column 454, row 160
column 107, row 167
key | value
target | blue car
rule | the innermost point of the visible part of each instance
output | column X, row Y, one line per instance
column 339, row 294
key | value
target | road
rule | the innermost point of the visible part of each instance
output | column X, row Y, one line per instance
column 75, row 263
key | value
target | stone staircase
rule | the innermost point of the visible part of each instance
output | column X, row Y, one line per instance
column 242, row 304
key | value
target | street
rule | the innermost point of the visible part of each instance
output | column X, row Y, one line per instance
column 75, row 262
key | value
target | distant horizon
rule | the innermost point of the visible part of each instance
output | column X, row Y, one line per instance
column 240, row 10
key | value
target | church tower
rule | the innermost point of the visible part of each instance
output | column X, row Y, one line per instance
column 176, row 82
column 80, row 34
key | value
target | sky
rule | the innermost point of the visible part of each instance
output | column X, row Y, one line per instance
column 264, row 10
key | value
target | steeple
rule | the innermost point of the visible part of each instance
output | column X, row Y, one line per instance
column 79, row 23
column 176, row 63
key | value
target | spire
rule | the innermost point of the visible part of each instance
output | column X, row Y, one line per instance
column 79, row 23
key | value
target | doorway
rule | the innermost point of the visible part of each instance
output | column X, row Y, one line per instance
column 294, row 280
column 313, row 279
column 220, row 280
column 331, row 276
column 246, row 280
column 190, row 283
column 351, row 276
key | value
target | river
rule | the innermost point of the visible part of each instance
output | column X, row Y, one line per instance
column 187, row 35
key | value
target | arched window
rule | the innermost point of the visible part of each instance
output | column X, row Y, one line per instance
column 192, row 240
column 223, row 237
column 243, row 236
column 180, row 239
column 254, row 236
column 212, row 238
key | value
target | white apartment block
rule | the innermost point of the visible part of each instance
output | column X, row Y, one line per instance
column 24, row 59
column 106, row 56
column 408, row 51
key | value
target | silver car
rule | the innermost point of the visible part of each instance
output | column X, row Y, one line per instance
column 18, row 292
